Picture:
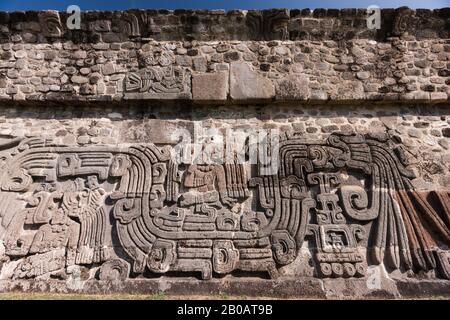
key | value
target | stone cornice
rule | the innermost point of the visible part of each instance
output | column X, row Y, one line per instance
column 208, row 25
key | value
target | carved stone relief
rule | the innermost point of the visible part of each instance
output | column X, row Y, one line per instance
column 51, row 24
column 162, row 81
column 348, row 199
column 268, row 24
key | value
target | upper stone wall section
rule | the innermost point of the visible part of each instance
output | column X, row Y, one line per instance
column 226, row 57
column 208, row 25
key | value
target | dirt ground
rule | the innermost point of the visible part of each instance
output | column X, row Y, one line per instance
column 160, row 296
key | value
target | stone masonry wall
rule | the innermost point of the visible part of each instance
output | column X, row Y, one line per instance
column 357, row 123
column 407, row 61
column 276, row 70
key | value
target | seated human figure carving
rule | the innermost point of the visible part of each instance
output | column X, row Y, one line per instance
column 207, row 185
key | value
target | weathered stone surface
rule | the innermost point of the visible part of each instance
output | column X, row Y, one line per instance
column 247, row 84
column 210, row 86
column 158, row 131
column 293, row 88
column 108, row 69
column 158, row 83
column 104, row 166
column 79, row 79
column 248, row 287
column 284, row 144
column 133, row 69
column 271, row 24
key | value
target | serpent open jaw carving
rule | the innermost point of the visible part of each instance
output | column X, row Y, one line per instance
column 131, row 209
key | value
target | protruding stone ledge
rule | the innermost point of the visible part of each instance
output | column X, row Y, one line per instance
column 245, row 84
column 208, row 25
column 249, row 287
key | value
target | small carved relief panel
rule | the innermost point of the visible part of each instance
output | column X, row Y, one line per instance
column 131, row 210
column 158, row 77
column 158, row 82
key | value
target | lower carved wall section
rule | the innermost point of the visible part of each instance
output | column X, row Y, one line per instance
column 335, row 192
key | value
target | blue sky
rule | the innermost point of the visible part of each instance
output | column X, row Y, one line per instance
column 11, row 5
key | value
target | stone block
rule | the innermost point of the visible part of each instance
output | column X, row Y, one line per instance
column 333, row 208
column 158, row 83
column 210, row 86
column 293, row 88
column 158, row 131
column 348, row 90
column 247, row 84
